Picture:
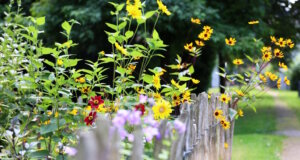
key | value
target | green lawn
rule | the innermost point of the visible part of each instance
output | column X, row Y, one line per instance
column 253, row 138
column 292, row 100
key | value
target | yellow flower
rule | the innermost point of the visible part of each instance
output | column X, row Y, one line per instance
column 208, row 29
column 265, row 49
column 290, row 43
column 239, row 93
column 224, row 98
column 131, row 67
column 189, row 47
column 60, row 62
column 163, row 8
column 186, row 97
column 85, row 89
column 273, row 77
column 195, row 20
column 47, row 122
column 281, row 42
column 208, row 95
column 231, row 41
column 286, row 81
column 56, row 114
column 156, row 81
column 273, row 39
column 205, row 35
column 263, row 78
column 253, row 22
column 267, row 56
column 175, row 100
column 88, row 108
column 283, row 66
column 240, row 113
column 238, row 62
column 218, row 114
column 121, row 49
column 268, row 74
column 278, row 53
column 279, row 83
column 102, row 53
column 134, row 9
column 101, row 108
column 74, row 112
column 199, row 43
column 195, row 81
column 225, row 145
column 226, row 125
column 162, row 109
column 157, row 96
column 49, row 113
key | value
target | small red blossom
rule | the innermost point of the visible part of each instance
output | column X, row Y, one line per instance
column 95, row 101
column 140, row 107
column 90, row 119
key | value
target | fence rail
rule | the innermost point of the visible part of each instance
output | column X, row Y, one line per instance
column 204, row 137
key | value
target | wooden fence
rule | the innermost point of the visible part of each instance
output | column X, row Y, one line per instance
column 204, row 138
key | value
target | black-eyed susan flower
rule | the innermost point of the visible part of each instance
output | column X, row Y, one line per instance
column 281, row 42
column 230, row 41
column 186, row 96
column 286, row 81
column 238, row 62
column 268, row 74
column 60, row 62
column 273, row 39
column 195, row 81
column 163, row 8
column 176, row 100
column 279, row 83
column 156, row 81
column 224, row 98
column 283, row 66
column 253, row 22
column 195, row 20
column 85, row 89
column 278, row 53
column 80, row 80
column 121, row 49
column 204, row 35
column 266, row 56
column 226, row 125
column 262, row 78
column 208, row 29
column 218, row 114
column 189, row 47
column 240, row 113
column 273, row 77
column 162, row 109
column 199, row 43
column 265, row 49
column 290, row 43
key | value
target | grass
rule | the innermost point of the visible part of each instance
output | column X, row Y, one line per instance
column 253, row 133
column 291, row 99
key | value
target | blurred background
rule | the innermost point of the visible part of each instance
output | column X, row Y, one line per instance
column 256, row 131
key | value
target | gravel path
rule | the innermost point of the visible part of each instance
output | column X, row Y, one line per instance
column 288, row 125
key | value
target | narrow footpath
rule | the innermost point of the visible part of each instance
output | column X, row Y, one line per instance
column 287, row 125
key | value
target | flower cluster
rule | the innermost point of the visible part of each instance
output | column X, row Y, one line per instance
column 222, row 119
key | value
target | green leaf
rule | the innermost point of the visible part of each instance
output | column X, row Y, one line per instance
column 47, row 50
column 71, row 62
column 49, row 63
column 121, row 71
column 111, row 40
column 129, row 34
column 112, row 26
column 185, row 78
column 120, row 7
column 122, row 25
column 149, row 14
column 248, row 57
column 191, row 69
column 67, row 27
column 155, row 34
column 40, row 21
column 39, row 154
column 148, row 78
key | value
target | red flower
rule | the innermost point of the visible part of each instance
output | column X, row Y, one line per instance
column 90, row 119
column 95, row 101
column 140, row 107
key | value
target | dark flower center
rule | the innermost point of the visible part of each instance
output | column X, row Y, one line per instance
column 96, row 101
column 216, row 113
column 91, row 118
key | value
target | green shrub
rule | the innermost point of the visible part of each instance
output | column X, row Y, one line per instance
column 295, row 77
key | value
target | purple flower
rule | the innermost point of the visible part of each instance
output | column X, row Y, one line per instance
column 150, row 132
column 130, row 137
column 123, row 113
column 151, row 102
column 143, row 98
column 150, row 121
column 70, row 151
column 134, row 118
column 119, row 121
column 123, row 133
column 179, row 126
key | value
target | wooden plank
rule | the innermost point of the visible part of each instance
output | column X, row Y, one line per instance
column 138, row 144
